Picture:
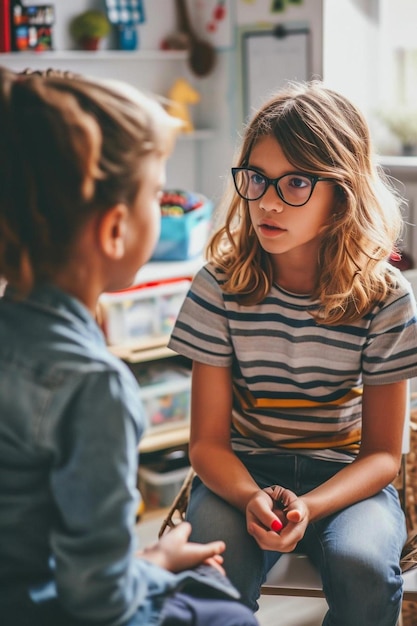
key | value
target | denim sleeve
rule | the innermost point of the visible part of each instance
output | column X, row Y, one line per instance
column 93, row 487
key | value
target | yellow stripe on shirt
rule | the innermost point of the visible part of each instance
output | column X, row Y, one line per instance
column 347, row 441
column 248, row 401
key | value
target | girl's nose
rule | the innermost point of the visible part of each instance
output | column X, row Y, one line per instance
column 271, row 201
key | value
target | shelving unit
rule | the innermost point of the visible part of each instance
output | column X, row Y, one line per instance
column 167, row 439
column 155, row 349
column 171, row 437
column 139, row 354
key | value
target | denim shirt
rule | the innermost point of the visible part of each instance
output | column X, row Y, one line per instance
column 70, row 422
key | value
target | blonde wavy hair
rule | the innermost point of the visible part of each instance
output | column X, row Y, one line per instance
column 322, row 133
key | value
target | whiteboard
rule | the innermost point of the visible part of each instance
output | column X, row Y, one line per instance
column 271, row 58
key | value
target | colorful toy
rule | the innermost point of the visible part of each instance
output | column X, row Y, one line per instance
column 178, row 202
column 126, row 15
column 180, row 96
column 31, row 26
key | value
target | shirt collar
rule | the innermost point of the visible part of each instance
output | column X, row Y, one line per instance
column 50, row 298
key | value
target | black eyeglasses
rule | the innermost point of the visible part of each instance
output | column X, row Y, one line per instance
column 294, row 188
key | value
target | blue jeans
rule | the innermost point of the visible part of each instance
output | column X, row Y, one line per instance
column 179, row 609
column 185, row 610
column 356, row 550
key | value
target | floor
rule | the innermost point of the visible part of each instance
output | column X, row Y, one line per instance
column 274, row 611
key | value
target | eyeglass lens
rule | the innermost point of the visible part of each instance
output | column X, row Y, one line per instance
column 295, row 189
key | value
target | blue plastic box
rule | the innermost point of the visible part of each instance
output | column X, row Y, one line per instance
column 184, row 236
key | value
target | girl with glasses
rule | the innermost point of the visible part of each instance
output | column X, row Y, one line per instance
column 82, row 168
column 302, row 337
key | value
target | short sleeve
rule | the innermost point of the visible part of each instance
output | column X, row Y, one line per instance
column 201, row 332
column 390, row 354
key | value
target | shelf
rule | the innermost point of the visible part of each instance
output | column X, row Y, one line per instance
column 139, row 352
column 153, row 348
column 155, row 271
column 398, row 163
column 97, row 55
column 153, row 442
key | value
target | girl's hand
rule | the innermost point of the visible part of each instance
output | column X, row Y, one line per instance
column 175, row 553
column 276, row 518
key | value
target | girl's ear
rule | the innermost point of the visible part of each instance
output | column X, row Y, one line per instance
column 112, row 230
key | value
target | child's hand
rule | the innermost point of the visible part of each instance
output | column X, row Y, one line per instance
column 276, row 518
column 175, row 553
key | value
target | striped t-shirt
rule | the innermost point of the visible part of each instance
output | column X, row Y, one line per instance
column 297, row 385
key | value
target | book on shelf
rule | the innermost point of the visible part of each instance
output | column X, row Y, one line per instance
column 5, row 26
column 26, row 26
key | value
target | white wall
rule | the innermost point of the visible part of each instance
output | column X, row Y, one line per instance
column 361, row 44
column 398, row 53
column 350, row 49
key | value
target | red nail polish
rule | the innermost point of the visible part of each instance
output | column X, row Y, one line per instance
column 277, row 525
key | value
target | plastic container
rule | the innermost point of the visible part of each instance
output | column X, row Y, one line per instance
column 142, row 314
column 165, row 392
column 184, row 236
column 159, row 488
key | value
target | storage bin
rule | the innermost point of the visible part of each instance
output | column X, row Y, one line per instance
column 158, row 489
column 165, row 392
column 142, row 314
column 184, row 236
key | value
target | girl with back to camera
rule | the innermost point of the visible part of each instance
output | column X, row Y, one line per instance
column 302, row 336
column 82, row 167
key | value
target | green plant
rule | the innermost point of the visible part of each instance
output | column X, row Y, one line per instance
column 90, row 24
column 402, row 122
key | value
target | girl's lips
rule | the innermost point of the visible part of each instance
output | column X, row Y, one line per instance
column 270, row 229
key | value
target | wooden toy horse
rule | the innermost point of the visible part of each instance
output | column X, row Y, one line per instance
column 180, row 96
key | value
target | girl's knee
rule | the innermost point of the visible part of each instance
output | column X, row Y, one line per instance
column 362, row 591
column 212, row 518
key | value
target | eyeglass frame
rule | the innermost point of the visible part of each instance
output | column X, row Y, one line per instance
column 274, row 181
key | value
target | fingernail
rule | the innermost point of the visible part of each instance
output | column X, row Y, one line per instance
column 276, row 525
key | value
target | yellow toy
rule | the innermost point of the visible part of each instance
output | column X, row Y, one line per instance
column 180, row 96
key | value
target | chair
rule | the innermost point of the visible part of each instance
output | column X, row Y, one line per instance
column 294, row 574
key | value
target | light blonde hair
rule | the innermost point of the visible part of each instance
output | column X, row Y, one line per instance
column 322, row 133
column 70, row 147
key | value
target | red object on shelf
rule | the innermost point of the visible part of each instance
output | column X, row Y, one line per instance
column 5, row 26
column 219, row 12
column 154, row 283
